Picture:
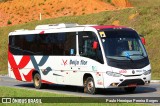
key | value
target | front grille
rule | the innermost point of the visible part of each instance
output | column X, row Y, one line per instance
column 130, row 65
column 132, row 81
column 131, row 75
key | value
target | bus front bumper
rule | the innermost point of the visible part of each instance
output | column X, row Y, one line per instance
column 121, row 82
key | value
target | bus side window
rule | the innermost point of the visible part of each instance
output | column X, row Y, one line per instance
column 70, row 44
column 86, row 40
column 16, row 45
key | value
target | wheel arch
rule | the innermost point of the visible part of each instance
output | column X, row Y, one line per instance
column 34, row 72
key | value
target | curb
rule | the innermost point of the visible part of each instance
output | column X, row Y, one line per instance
column 155, row 81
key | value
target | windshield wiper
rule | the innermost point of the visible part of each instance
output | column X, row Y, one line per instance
column 138, row 55
column 128, row 57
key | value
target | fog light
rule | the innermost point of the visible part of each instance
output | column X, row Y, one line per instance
column 147, row 82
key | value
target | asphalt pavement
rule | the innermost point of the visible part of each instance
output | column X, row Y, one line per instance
column 153, row 90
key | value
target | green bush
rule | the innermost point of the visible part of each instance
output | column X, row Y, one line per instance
column 9, row 22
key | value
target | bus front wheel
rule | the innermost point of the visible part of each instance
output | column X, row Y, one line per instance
column 89, row 86
column 37, row 81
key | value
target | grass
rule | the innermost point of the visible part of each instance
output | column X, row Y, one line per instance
column 4, row 0
column 17, row 92
column 107, row 1
column 144, row 3
column 146, row 23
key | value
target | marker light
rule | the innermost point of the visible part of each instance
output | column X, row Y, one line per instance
column 147, row 72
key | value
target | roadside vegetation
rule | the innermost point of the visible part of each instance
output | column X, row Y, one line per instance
column 144, row 19
column 4, row 0
column 144, row 3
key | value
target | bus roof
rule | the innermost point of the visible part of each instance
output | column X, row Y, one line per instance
column 75, row 25
column 101, row 27
column 65, row 27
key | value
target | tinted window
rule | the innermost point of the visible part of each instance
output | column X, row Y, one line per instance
column 86, row 40
column 46, row 44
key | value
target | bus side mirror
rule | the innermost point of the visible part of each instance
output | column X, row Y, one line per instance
column 95, row 45
column 143, row 40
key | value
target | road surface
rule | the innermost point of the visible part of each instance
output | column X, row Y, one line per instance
column 153, row 90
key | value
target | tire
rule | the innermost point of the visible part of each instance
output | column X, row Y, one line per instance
column 37, row 81
column 89, row 86
column 130, row 89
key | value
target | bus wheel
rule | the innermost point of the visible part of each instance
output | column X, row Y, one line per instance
column 37, row 81
column 130, row 89
column 90, row 86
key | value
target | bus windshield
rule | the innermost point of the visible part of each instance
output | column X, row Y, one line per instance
column 122, row 45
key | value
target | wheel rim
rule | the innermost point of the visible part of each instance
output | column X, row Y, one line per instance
column 37, row 80
column 90, row 86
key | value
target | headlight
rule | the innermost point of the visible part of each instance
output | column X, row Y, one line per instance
column 147, row 72
column 113, row 74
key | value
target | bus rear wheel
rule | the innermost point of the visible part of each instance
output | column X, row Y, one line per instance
column 130, row 89
column 89, row 86
column 37, row 81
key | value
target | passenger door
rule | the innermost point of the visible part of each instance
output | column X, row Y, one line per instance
column 90, row 57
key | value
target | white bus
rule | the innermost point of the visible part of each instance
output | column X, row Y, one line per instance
column 91, row 56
